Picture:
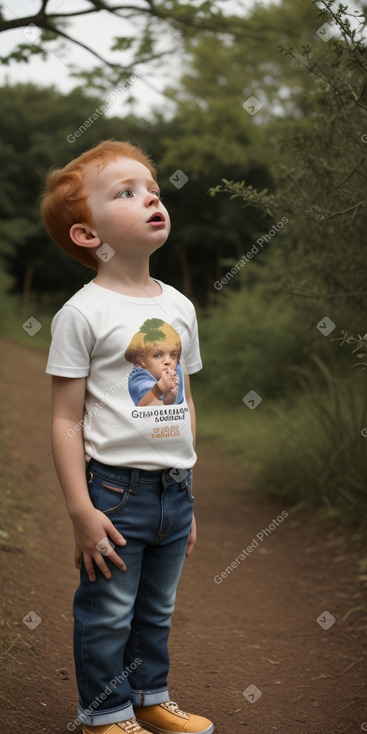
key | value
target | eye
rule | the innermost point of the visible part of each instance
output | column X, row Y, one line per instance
column 125, row 194
column 157, row 193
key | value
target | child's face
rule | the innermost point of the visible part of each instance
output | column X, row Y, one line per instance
column 159, row 359
column 124, row 199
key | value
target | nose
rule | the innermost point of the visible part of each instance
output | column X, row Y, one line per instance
column 152, row 199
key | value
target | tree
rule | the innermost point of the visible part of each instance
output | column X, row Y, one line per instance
column 209, row 136
column 211, row 131
column 319, row 182
column 40, row 128
column 35, row 128
column 172, row 20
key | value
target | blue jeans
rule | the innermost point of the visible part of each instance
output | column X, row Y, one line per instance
column 122, row 624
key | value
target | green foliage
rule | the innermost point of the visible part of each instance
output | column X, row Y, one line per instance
column 123, row 43
column 34, row 127
column 249, row 195
column 13, row 316
column 152, row 332
column 23, row 53
column 325, row 460
column 301, row 155
column 168, row 19
column 37, row 125
column 359, row 347
column 209, row 135
column 7, row 305
column 303, row 442
column 252, row 341
column 319, row 177
column 306, row 447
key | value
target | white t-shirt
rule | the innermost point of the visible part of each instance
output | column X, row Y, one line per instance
column 105, row 336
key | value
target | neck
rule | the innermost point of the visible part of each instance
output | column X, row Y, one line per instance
column 128, row 277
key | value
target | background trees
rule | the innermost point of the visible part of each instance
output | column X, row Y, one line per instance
column 276, row 326
column 320, row 175
column 140, row 28
column 35, row 126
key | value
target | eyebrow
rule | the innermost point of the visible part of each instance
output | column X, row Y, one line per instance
column 132, row 181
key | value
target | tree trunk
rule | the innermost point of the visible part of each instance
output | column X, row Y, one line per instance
column 185, row 271
column 27, row 284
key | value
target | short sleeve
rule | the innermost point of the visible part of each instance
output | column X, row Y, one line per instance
column 71, row 345
column 140, row 382
column 191, row 359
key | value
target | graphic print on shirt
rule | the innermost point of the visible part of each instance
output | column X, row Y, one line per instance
column 155, row 352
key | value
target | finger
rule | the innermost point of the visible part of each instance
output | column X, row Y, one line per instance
column 89, row 567
column 190, row 548
column 192, row 538
column 117, row 561
column 102, row 566
column 114, row 534
column 106, row 549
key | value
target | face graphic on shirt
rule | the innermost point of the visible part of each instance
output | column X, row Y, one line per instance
column 155, row 352
column 161, row 358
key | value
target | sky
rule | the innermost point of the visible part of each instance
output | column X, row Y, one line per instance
column 96, row 30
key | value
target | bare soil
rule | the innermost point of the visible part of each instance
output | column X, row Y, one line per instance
column 257, row 627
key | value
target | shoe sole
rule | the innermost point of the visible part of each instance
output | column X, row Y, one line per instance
column 157, row 730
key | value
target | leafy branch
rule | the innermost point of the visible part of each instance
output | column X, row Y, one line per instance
column 170, row 21
column 360, row 346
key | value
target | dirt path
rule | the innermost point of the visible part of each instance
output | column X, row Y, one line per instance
column 254, row 625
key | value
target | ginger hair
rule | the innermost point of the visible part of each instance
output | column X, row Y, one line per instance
column 64, row 201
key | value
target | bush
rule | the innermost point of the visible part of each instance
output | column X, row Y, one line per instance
column 253, row 339
column 318, row 451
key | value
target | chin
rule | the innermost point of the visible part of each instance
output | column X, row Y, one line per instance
column 157, row 245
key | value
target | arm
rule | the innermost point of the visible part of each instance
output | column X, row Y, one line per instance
column 151, row 397
column 191, row 406
column 90, row 525
column 190, row 403
column 161, row 387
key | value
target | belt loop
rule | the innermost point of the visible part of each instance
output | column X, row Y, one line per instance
column 166, row 478
column 134, row 479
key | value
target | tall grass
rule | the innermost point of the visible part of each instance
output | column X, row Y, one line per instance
column 319, row 453
column 305, row 441
column 252, row 340
column 307, row 448
column 13, row 316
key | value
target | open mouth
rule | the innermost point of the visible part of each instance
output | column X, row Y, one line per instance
column 158, row 217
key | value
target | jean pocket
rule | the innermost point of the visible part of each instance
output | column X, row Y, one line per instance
column 107, row 495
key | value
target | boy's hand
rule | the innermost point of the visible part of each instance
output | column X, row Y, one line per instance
column 170, row 396
column 89, row 530
column 167, row 381
column 192, row 538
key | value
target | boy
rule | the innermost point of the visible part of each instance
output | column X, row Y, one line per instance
column 104, row 209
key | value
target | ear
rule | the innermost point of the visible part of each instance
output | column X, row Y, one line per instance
column 83, row 236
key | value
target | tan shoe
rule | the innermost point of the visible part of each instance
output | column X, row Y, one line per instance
column 129, row 726
column 167, row 718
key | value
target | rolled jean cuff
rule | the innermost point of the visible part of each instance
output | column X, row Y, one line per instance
column 149, row 698
column 112, row 716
